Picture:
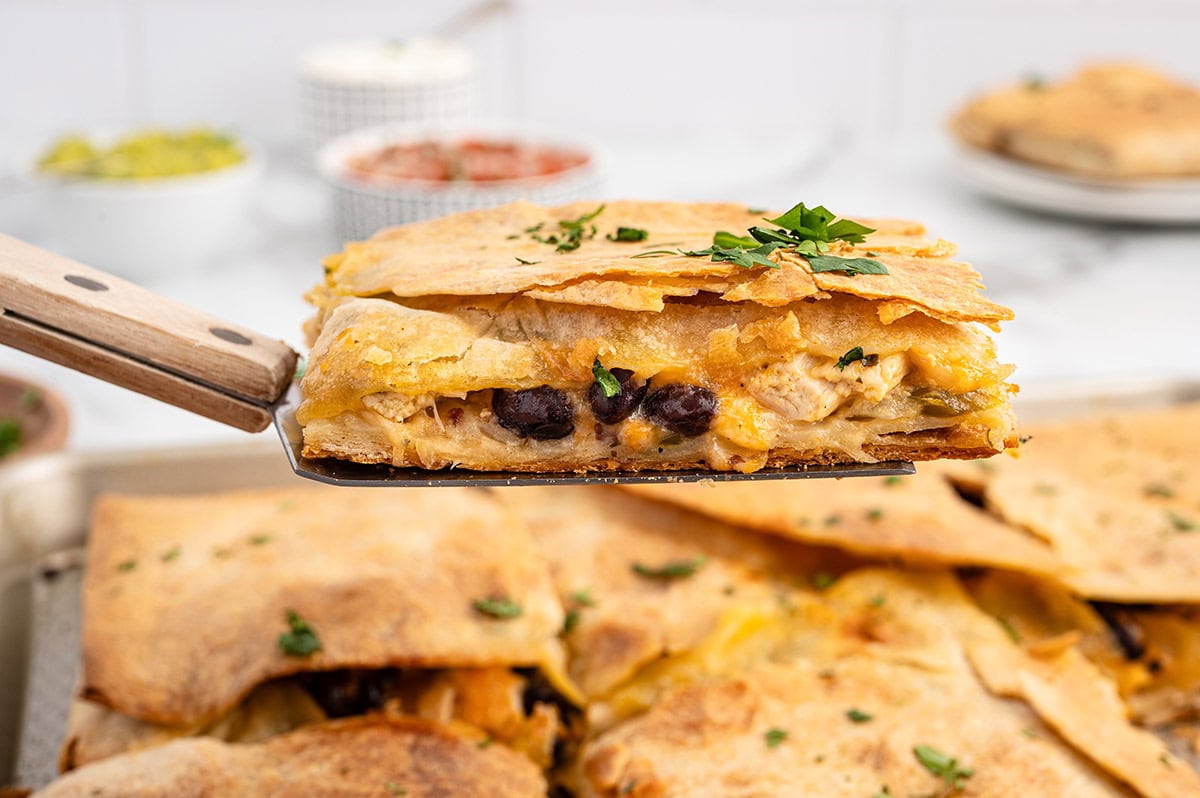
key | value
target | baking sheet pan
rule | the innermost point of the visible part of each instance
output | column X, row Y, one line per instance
column 44, row 506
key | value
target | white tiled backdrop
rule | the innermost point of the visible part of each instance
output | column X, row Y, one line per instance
column 763, row 101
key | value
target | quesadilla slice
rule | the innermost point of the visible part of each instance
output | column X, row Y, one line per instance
column 900, row 690
column 1108, row 121
column 525, row 338
column 377, row 756
column 918, row 519
column 246, row 614
column 1116, row 496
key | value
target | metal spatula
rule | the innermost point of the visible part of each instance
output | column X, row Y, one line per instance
column 82, row 318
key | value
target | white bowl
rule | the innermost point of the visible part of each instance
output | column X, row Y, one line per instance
column 354, row 85
column 142, row 229
column 362, row 208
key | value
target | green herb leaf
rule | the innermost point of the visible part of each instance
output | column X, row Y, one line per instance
column 823, row 581
column 853, row 356
column 943, row 766
column 171, row 554
column 653, row 252
column 746, row 258
column 628, row 234
column 261, row 539
column 877, row 600
column 301, row 639
column 583, row 598
column 395, row 789
column 892, row 481
column 858, row 716
column 486, row 741
column 524, row 262
column 498, row 607
column 1009, row 629
column 875, row 514
column 775, row 737
column 850, row 266
column 677, row 569
column 10, row 436
column 1159, row 489
column 1182, row 524
column 570, row 621
column 609, row 384
column 125, row 566
column 883, row 793
column 724, row 239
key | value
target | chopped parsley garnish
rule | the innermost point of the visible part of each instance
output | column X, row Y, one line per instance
column 775, row 737
column 628, row 234
column 833, row 520
column 503, row 608
column 395, row 789
column 301, row 639
column 604, row 378
column 883, row 793
column 877, row 601
column 486, row 741
column 571, row 232
column 1009, row 629
column 126, row 565
column 677, row 569
column 805, row 231
column 943, row 766
column 583, row 598
column 1159, row 489
column 852, row 356
column 823, row 581
column 570, row 621
column 1181, row 524
column 858, row 716
column 524, row 262
column 262, row 538
column 875, row 514
column 10, row 436
column 892, row 482
column 850, row 266
column 739, row 256
column 756, row 211
column 171, row 554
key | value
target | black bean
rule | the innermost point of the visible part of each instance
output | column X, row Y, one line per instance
column 685, row 409
column 542, row 413
column 343, row 693
column 614, row 409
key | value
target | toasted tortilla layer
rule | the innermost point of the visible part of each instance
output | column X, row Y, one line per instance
column 361, row 757
column 1115, row 121
column 416, row 331
column 186, row 597
column 836, row 703
column 1117, row 497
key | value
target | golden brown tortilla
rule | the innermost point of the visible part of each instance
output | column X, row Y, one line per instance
column 185, row 597
column 361, row 757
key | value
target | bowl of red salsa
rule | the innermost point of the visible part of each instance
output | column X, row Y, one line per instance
column 384, row 177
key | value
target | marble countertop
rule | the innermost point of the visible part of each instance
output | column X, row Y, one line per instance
column 1102, row 301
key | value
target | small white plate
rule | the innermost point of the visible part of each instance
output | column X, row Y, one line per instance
column 1161, row 201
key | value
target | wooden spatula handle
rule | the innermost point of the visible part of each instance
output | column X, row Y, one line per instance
column 102, row 325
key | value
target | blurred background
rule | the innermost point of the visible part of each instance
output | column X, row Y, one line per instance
column 758, row 101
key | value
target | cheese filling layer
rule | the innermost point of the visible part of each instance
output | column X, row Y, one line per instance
column 729, row 386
